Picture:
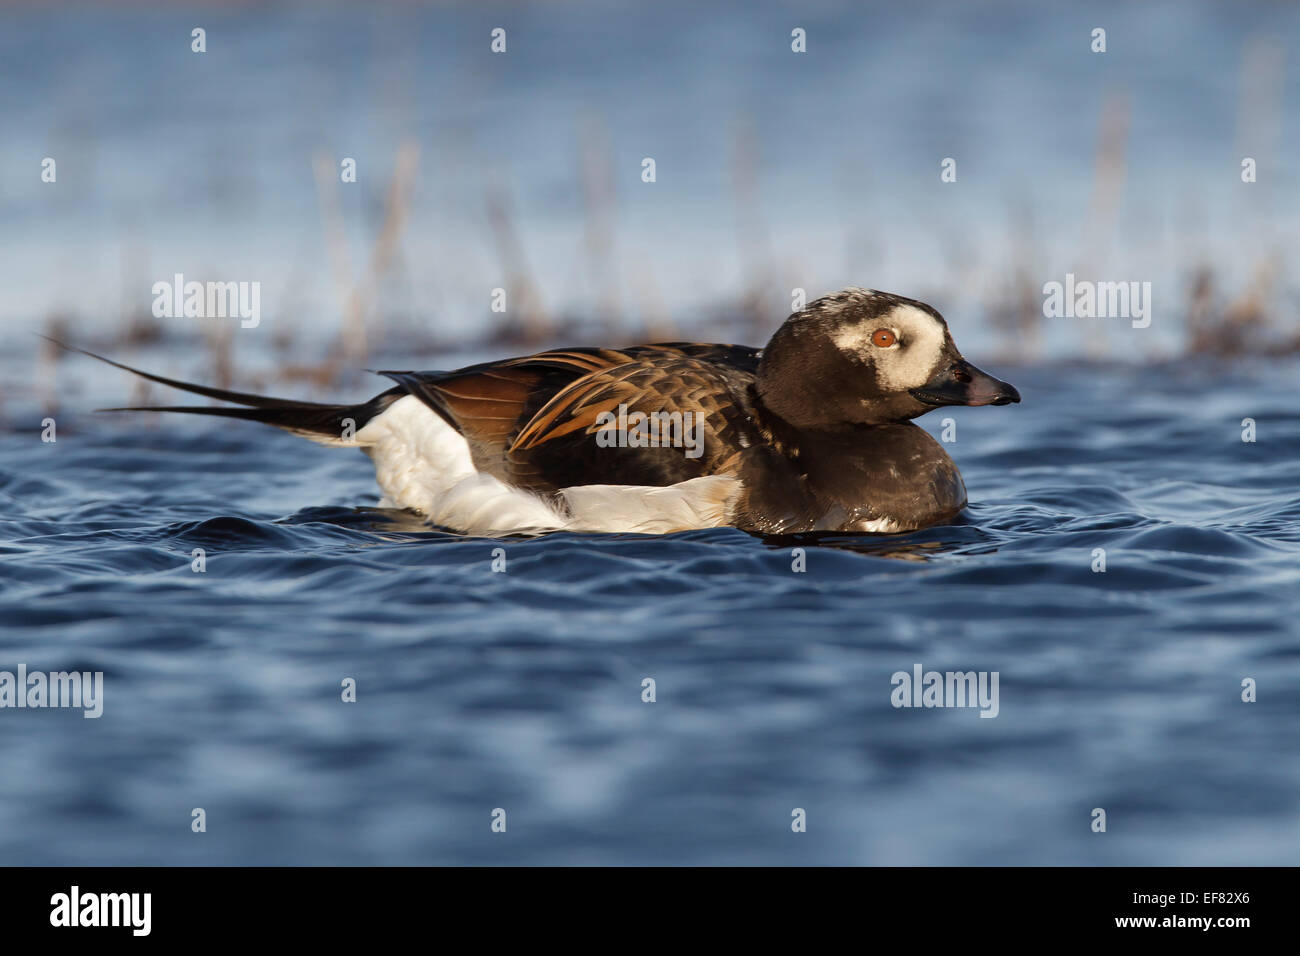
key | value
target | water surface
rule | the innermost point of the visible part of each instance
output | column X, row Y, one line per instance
column 522, row 690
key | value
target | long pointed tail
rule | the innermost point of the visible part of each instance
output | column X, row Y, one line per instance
column 326, row 424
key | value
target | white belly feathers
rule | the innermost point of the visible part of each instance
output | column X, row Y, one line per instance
column 424, row 464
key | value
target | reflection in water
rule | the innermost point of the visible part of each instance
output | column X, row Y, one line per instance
column 879, row 546
column 393, row 524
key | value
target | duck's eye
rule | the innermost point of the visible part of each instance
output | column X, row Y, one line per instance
column 883, row 338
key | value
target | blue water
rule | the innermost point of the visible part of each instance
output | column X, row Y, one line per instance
column 521, row 690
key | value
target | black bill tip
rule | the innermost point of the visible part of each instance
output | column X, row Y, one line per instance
column 963, row 384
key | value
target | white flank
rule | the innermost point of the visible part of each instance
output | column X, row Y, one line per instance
column 424, row 464
column 698, row 503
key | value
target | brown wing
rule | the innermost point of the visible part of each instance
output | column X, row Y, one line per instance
column 654, row 421
column 490, row 403
column 493, row 404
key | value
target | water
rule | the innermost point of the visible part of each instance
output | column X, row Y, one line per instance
column 522, row 690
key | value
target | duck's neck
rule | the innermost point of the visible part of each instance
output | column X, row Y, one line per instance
column 795, row 442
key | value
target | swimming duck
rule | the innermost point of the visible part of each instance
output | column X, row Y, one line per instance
column 813, row 432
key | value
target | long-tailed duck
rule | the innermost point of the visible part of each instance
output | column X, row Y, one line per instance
column 811, row 433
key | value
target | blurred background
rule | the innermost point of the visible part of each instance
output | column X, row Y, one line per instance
column 522, row 170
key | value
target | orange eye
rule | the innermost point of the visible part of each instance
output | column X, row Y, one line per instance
column 883, row 338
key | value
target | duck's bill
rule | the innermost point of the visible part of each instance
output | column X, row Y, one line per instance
column 963, row 384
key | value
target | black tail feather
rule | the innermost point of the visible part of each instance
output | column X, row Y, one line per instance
column 222, row 394
column 314, row 420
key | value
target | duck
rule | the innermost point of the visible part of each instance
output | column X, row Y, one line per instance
column 814, row 432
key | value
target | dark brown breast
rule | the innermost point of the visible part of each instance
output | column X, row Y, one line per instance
column 852, row 480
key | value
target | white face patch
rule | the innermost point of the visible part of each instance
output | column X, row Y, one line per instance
column 912, row 361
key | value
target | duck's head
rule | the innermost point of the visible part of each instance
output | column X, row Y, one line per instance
column 859, row 357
